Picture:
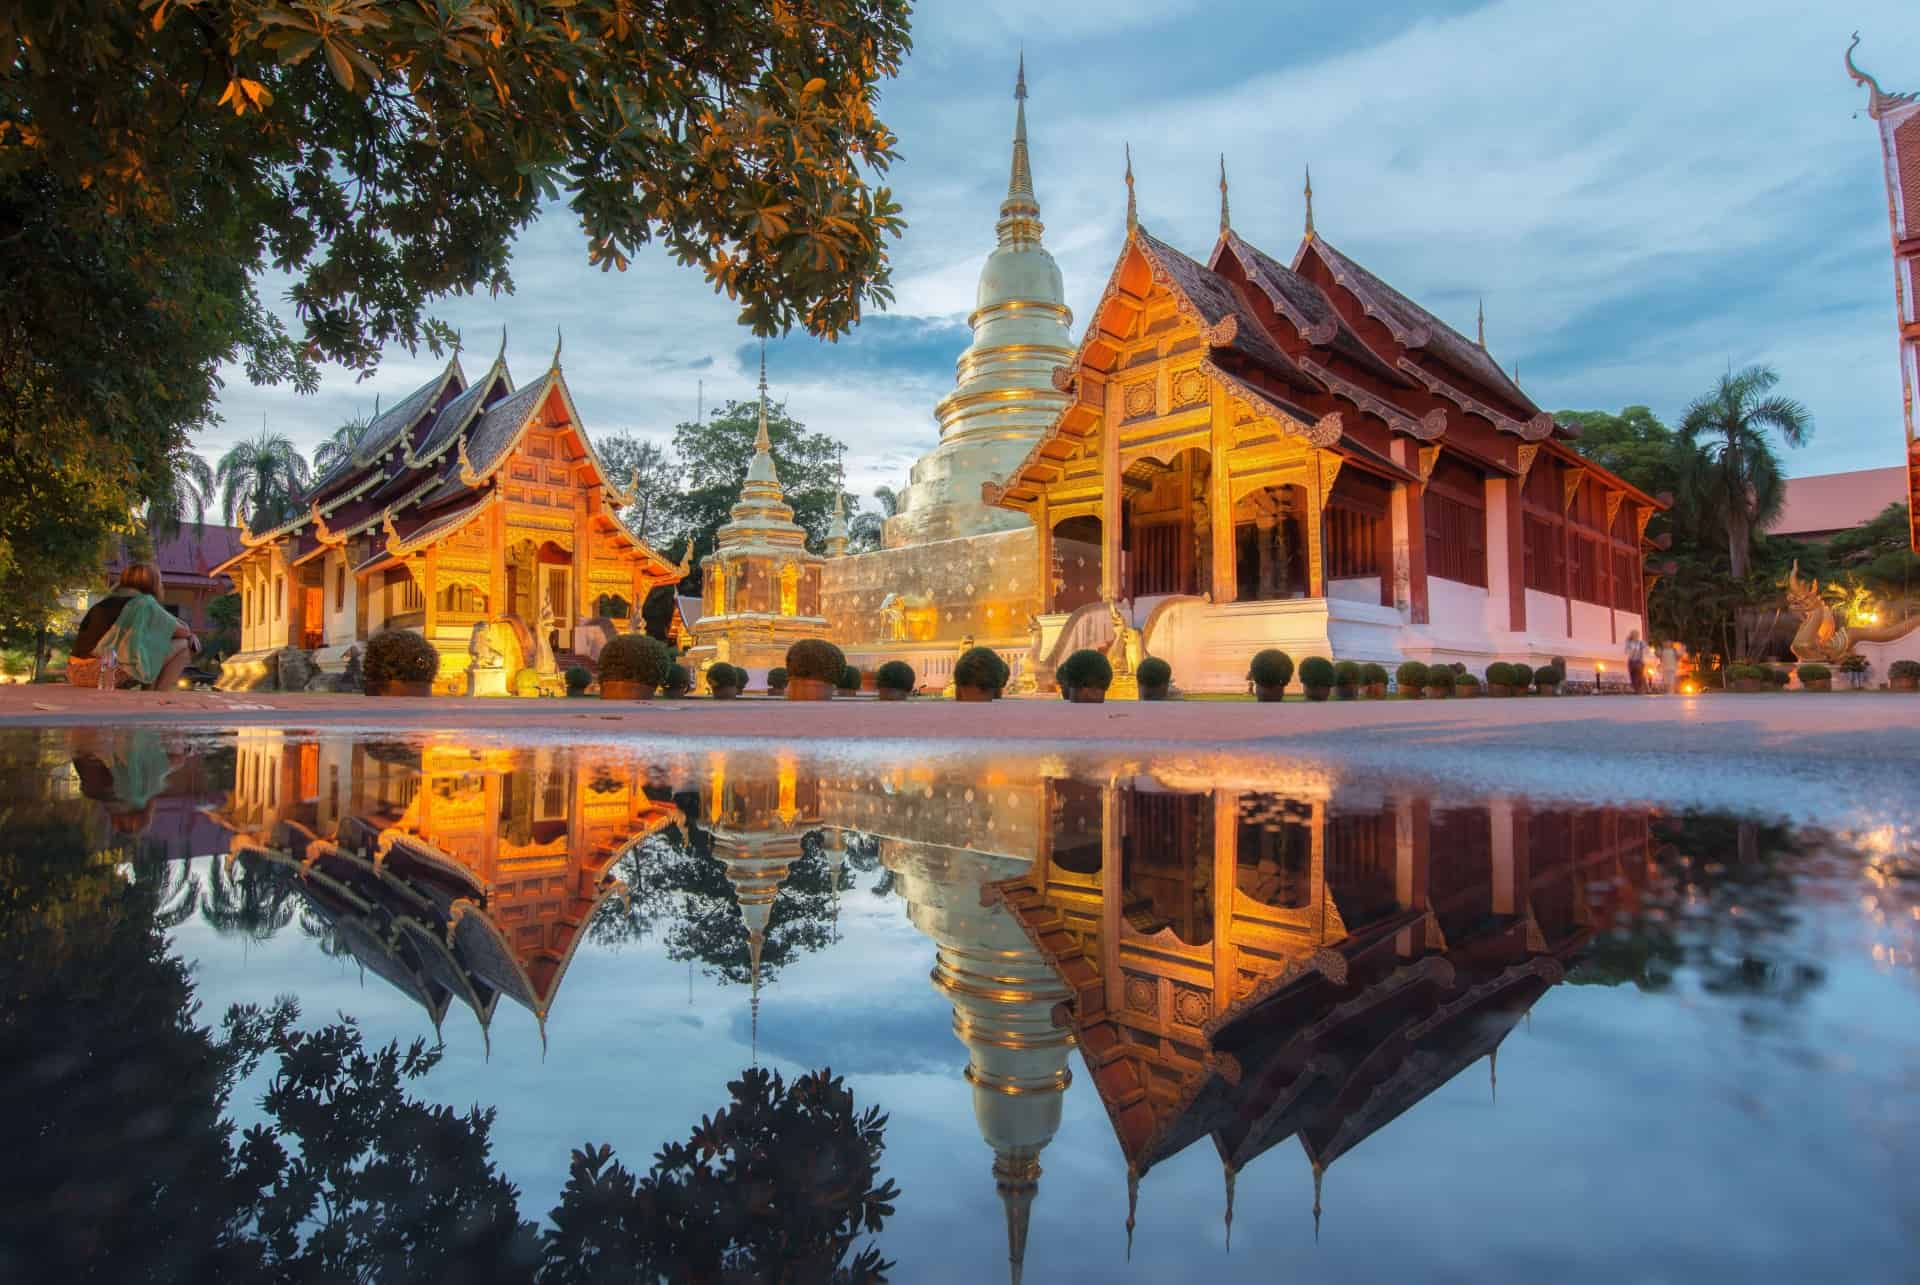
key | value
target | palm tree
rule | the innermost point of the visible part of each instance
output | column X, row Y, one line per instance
column 865, row 529
column 184, row 491
column 260, row 477
column 1731, row 474
column 340, row 446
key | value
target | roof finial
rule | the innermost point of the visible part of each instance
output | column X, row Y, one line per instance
column 1226, row 221
column 502, row 354
column 1133, row 212
column 1318, row 1173
column 762, row 444
column 1017, row 1178
column 1862, row 78
column 1480, row 323
column 1020, row 212
column 1020, row 80
column 1228, row 1166
column 1133, row 1202
column 557, row 337
column 1309, row 200
column 1493, row 1076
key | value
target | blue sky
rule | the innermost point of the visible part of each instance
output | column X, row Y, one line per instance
column 1643, row 192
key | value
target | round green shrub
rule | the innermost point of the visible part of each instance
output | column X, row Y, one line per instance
column 1410, row 675
column 399, row 656
column 1522, row 677
column 679, row 678
column 635, row 658
column 1155, row 672
column 1372, row 675
column 777, row 679
column 816, row 658
column 1904, row 669
column 1549, row 676
column 850, row 678
column 1346, row 673
column 1815, row 673
column 1086, row 668
column 1441, row 676
column 980, row 667
column 1316, row 671
column 894, row 676
column 1271, row 668
column 579, row 678
column 1466, row 681
column 1853, row 663
column 725, row 675
column 1500, row 674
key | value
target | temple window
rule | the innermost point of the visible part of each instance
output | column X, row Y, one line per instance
column 1166, row 516
column 340, row 587
column 464, row 599
column 1541, row 539
column 279, row 597
column 1270, row 544
column 612, row 606
column 1167, row 864
column 790, row 590
column 1357, row 529
column 1273, row 851
column 1456, row 510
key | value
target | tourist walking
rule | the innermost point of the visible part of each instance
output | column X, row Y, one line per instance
column 1636, row 662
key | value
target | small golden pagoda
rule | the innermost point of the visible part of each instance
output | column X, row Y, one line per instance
column 762, row 585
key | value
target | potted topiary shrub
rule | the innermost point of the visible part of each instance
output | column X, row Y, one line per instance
column 1439, row 682
column 1155, row 676
column 978, row 675
column 679, row 681
column 814, row 666
column 633, row 666
column 579, row 678
column 1316, row 677
column 1904, row 675
column 1373, row 681
column 1086, row 675
column 725, row 681
column 1547, row 679
column 1816, row 678
column 1466, row 685
column 893, row 681
column 1411, row 678
column 1854, row 666
column 848, row 684
column 399, row 662
column 1270, row 672
column 777, row 681
column 1742, row 678
column 1522, row 679
column 1500, row 679
column 1346, row 679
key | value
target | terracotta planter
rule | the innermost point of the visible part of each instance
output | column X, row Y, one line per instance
column 625, row 689
column 893, row 694
column 1552, row 689
column 1817, row 684
column 1066, row 693
column 1751, row 685
column 725, row 692
column 1413, row 693
column 1265, row 693
column 1466, row 693
column 1375, row 691
column 1903, row 684
column 1158, row 692
column 969, row 693
column 1089, row 696
column 1347, row 692
column 402, row 687
column 1439, row 693
column 1499, row 689
column 809, row 689
column 1319, row 693
column 577, row 695
column 675, row 693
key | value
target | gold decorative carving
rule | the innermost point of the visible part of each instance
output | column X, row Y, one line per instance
column 1190, row 1007
column 1327, row 430
column 1613, row 507
column 1223, row 332
column 1329, row 471
column 1139, row 400
column 1570, row 487
column 1063, row 378
column 1642, row 514
column 468, row 477
column 1189, row 387
column 1141, row 997
column 1429, row 456
column 1539, row 428
column 1527, row 455
column 1442, row 389
column 1432, row 424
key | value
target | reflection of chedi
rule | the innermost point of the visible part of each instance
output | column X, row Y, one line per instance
column 1004, row 397
column 1003, row 994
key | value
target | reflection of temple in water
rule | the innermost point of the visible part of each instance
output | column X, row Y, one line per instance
column 1252, row 967
column 452, row 873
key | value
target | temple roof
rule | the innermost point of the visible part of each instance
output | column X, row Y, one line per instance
column 1216, row 301
column 1300, row 302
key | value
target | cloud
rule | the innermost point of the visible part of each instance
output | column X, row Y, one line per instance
column 1640, row 191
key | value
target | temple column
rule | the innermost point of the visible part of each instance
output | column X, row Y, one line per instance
column 1263, row 541
column 1226, row 579
column 1499, row 497
column 430, row 590
column 1112, row 894
column 296, row 609
column 1516, row 552
column 1113, row 504
column 1043, row 546
column 1410, row 835
column 497, row 604
column 1505, row 889
column 1410, row 533
column 1226, row 861
column 582, row 559
column 1316, row 530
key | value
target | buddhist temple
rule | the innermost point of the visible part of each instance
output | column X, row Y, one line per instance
column 1898, row 116
column 451, row 873
column 1298, row 455
column 761, row 586
column 465, row 505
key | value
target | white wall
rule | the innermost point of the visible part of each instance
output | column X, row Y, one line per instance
column 1357, row 589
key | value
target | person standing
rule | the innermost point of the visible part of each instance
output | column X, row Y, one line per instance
column 1637, row 662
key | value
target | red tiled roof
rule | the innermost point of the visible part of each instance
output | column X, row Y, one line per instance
column 190, row 554
column 1838, row 501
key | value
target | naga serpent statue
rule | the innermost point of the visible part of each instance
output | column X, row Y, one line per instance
column 1820, row 636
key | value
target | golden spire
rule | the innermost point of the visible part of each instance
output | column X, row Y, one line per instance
column 1226, row 221
column 755, row 940
column 1480, row 324
column 762, row 444
column 1020, row 212
column 1018, row 1181
column 1309, row 200
column 1133, row 212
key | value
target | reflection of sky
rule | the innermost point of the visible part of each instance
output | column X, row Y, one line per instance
column 1635, row 1137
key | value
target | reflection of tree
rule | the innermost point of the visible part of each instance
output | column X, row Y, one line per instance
column 1720, row 907
column 247, row 899
column 776, row 1186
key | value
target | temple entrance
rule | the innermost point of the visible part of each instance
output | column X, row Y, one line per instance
column 1166, row 540
column 558, row 598
column 1270, row 544
column 1076, row 562
column 1167, row 864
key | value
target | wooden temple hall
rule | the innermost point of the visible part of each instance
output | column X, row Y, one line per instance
column 466, row 503
column 1296, row 454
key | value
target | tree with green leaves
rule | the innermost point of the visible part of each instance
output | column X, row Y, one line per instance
column 340, row 444
column 186, row 489
column 1733, row 477
column 260, row 480
column 711, row 461
column 864, row 528
column 158, row 159
column 633, row 461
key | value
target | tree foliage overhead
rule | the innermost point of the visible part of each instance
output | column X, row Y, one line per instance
column 1732, row 473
